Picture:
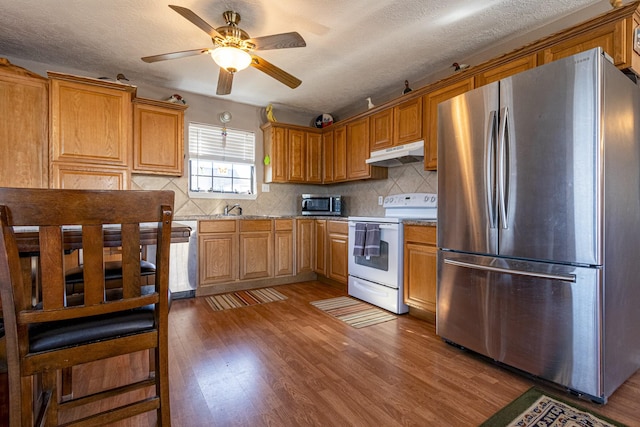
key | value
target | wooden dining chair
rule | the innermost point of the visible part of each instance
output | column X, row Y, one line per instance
column 46, row 332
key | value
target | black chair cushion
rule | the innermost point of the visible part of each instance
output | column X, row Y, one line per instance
column 112, row 270
column 67, row 333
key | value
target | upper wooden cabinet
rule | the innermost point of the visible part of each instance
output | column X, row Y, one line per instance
column 506, row 70
column 358, row 152
column 381, row 133
column 340, row 153
column 313, row 160
column 407, row 121
column 615, row 39
column 158, row 137
column 294, row 153
column 91, row 120
column 275, row 151
column 431, row 102
column 24, row 134
column 327, row 157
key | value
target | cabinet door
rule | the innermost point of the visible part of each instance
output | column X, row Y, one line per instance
column 506, row 70
column 89, row 177
column 90, row 123
column 256, row 255
column 158, row 137
column 407, row 126
column 218, row 258
column 358, row 149
column 382, row 130
column 340, row 154
column 297, row 155
column 283, row 248
column 314, row 158
column 24, row 108
column 338, row 241
column 275, row 146
column 321, row 258
column 612, row 38
column 327, row 157
column 420, row 267
column 431, row 102
column 304, row 245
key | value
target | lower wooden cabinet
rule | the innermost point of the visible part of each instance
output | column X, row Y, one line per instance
column 321, row 245
column 217, row 252
column 338, row 251
column 256, row 249
column 420, row 266
column 283, row 247
column 305, row 231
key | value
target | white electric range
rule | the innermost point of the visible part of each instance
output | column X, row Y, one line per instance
column 379, row 279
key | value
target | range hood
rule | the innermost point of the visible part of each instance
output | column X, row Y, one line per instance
column 398, row 156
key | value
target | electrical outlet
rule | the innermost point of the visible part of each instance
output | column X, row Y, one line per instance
column 265, row 188
column 379, row 200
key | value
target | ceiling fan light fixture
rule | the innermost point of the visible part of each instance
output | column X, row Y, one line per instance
column 231, row 58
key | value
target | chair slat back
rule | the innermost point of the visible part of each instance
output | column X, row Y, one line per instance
column 53, row 211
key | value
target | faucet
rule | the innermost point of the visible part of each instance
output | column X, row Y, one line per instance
column 227, row 209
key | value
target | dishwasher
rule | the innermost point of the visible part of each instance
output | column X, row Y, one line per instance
column 183, row 264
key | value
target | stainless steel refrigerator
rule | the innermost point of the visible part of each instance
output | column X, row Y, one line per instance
column 539, row 223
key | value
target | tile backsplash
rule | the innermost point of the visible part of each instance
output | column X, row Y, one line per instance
column 360, row 197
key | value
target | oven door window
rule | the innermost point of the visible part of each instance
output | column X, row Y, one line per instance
column 377, row 262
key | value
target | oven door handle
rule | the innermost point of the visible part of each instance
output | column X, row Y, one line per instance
column 382, row 226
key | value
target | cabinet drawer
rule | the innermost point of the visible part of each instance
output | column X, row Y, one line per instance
column 420, row 233
column 338, row 227
column 284, row 224
column 217, row 226
column 255, row 225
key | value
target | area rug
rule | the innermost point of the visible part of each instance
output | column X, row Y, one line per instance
column 537, row 408
column 353, row 312
column 244, row 298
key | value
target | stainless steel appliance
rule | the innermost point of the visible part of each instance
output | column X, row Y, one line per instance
column 379, row 279
column 322, row 204
column 539, row 223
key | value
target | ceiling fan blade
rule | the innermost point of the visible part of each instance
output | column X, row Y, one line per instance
column 278, row 41
column 175, row 55
column 275, row 72
column 196, row 20
column 225, row 79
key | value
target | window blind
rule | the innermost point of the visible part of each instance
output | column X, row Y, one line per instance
column 207, row 141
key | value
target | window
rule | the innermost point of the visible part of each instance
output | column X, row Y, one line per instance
column 221, row 162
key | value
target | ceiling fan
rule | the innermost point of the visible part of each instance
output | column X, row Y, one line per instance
column 233, row 49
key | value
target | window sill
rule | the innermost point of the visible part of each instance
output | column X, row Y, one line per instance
column 228, row 196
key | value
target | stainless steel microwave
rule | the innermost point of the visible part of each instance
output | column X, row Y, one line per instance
column 322, row 204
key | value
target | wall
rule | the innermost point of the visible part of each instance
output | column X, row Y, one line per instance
column 282, row 199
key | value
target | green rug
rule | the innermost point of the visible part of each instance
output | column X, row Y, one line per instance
column 537, row 408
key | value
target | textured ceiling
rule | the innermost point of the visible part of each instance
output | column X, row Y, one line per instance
column 355, row 48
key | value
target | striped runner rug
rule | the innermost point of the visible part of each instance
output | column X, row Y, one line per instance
column 244, row 298
column 353, row 312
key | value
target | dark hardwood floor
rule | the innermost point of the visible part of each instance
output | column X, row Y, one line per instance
column 288, row 364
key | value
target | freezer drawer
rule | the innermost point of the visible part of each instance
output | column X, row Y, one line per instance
column 544, row 319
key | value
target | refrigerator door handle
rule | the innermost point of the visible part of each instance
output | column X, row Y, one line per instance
column 489, row 168
column 502, row 167
column 560, row 277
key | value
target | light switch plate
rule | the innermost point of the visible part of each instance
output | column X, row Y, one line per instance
column 379, row 200
column 265, row 188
